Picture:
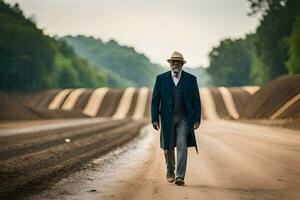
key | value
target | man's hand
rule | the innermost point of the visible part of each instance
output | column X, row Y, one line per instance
column 155, row 125
column 196, row 125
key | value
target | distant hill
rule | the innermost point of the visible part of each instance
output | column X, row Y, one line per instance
column 203, row 78
column 122, row 62
column 31, row 60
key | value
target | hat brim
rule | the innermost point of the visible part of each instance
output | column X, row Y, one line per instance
column 169, row 60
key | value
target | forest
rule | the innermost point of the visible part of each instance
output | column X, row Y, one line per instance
column 272, row 50
column 32, row 60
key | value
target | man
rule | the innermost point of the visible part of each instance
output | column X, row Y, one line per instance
column 176, row 101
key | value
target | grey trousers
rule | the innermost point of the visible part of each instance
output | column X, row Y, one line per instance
column 180, row 133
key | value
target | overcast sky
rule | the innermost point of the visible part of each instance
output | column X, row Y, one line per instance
column 153, row 27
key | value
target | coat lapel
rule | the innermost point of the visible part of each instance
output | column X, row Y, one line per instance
column 170, row 86
column 171, row 83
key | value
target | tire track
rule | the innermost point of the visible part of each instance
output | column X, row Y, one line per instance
column 41, row 128
column 40, row 174
column 37, row 142
column 62, row 151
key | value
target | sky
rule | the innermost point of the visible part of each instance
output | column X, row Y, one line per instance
column 153, row 27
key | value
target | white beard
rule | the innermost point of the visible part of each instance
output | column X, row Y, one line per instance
column 176, row 70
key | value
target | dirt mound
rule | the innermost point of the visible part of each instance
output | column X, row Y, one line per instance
column 240, row 97
column 292, row 111
column 83, row 99
column 21, row 105
column 110, row 102
column 58, row 113
column 147, row 113
column 11, row 109
column 295, row 124
column 34, row 99
column 220, row 104
column 272, row 97
column 133, row 104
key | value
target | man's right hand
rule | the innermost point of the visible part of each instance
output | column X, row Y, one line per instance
column 155, row 125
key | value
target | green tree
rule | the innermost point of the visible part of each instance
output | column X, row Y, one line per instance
column 124, row 64
column 272, row 44
column 230, row 62
column 293, row 63
column 31, row 60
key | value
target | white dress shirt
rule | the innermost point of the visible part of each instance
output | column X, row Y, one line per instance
column 176, row 80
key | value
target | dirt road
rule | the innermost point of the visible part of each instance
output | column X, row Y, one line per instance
column 235, row 161
column 33, row 157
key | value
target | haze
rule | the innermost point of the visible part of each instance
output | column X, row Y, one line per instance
column 155, row 28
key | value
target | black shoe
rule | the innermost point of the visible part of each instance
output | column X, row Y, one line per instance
column 170, row 176
column 179, row 181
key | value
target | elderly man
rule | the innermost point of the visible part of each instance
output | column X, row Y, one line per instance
column 176, row 101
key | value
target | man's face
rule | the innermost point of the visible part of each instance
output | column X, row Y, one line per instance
column 176, row 66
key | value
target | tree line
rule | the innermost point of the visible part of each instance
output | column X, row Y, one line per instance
column 272, row 50
column 31, row 60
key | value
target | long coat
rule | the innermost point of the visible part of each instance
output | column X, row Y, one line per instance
column 162, row 102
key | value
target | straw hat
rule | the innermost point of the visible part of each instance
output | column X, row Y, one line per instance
column 176, row 56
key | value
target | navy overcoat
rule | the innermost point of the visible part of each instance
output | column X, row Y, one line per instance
column 162, row 102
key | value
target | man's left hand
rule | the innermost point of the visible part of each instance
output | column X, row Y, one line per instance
column 196, row 125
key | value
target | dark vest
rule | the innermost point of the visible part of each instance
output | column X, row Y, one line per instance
column 178, row 101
